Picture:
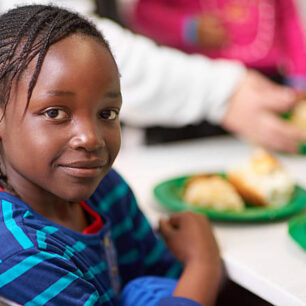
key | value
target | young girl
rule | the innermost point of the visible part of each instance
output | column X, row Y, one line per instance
column 70, row 229
column 267, row 35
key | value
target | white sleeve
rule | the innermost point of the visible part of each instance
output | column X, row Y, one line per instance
column 166, row 87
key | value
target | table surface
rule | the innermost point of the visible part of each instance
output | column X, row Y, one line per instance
column 261, row 257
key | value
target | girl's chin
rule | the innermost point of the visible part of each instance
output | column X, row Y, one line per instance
column 81, row 194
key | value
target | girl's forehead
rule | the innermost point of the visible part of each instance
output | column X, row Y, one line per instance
column 76, row 57
column 75, row 64
column 76, row 47
column 81, row 57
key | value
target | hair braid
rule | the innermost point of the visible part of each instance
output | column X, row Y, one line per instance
column 42, row 54
column 28, row 31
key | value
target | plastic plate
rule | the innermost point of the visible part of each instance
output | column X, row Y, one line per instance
column 297, row 230
column 169, row 194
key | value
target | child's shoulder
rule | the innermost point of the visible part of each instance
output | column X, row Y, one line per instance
column 113, row 191
column 111, row 180
column 22, row 229
column 12, row 232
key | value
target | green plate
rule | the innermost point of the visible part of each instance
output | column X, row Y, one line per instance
column 297, row 230
column 169, row 194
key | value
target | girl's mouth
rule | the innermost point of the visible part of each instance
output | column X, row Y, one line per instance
column 84, row 168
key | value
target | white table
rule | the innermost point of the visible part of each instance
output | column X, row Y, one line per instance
column 260, row 257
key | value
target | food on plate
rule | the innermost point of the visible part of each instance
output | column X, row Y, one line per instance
column 212, row 191
column 262, row 180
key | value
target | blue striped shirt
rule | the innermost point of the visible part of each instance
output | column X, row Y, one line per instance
column 42, row 262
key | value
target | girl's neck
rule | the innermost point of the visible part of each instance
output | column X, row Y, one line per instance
column 70, row 215
column 67, row 214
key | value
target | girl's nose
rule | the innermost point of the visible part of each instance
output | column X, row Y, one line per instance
column 87, row 136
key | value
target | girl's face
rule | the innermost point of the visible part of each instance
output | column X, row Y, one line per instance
column 65, row 142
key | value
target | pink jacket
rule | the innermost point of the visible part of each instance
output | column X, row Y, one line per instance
column 264, row 34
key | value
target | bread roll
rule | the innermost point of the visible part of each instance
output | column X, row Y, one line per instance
column 262, row 181
column 212, row 191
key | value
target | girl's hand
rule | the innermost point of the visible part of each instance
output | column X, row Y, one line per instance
column 211, row 32
column 190, row 238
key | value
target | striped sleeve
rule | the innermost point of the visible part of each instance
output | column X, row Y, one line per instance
column 43, row 278
column 157, row 258
column 140, row 251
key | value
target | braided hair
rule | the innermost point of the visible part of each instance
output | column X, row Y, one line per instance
column 28, row 31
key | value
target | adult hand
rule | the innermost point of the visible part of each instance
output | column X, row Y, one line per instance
column 254, row 113
column 211, row 32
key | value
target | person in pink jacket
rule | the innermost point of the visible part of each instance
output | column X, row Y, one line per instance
column 263, row 34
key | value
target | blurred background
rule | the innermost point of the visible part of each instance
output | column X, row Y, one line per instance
column 233, row 24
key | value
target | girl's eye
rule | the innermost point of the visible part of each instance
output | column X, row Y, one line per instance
column 108, row 114
column 57, row 114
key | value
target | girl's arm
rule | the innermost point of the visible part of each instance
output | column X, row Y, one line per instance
column 166, row 21
column 189, row 237
column 37, row 277
column 147, row 268
column 294, row 43
column 160, row 20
